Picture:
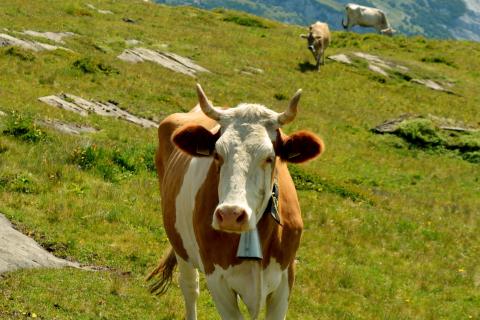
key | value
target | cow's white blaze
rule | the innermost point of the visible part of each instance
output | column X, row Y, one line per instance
column 246, row 150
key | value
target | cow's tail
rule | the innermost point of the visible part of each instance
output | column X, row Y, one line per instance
column 162, row 275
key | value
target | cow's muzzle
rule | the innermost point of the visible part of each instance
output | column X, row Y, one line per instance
column 311, row 48
column 231, row 218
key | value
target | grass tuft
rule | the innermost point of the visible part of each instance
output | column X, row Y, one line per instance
column 311, row 182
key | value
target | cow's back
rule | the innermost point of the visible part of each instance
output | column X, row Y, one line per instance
column 320, row 30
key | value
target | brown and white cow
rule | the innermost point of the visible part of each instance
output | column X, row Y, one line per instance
column 367, row 17
column 217, row 169
column 318, row 38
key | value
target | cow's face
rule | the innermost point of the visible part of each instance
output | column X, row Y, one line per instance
column 245, row 150
column 312, row 42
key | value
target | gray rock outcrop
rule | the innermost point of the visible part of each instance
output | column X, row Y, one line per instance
column 168, row 60
column 17, row 251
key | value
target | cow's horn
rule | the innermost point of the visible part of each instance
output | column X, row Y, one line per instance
column 206, row 106
column 288, row 115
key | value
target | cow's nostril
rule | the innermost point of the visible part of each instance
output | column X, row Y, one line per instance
column 241, row 217
column 219, row 215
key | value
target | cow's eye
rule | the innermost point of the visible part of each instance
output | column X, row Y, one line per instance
column 269, row 160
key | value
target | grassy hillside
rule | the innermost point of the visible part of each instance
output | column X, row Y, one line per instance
column 392, row 229
column 439, row 19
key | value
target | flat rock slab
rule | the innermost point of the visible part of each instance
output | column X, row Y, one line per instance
column 17, row 251
column 168, row 60
column 65, row 127
column 84, row 107
column 343, row 58
column 54, row 36
column 386, row 68
column 431, row 84
column 91, row 6
column 8, row 40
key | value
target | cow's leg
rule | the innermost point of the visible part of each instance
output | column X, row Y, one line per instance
column 188, row 281
column 277, row 301
column 225, row 298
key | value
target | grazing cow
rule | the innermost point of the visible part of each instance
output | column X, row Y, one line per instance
column 318, row 38
column 223, row 175
column 367, row 17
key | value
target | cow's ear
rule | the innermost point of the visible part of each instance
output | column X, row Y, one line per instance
column 195, row 140
column 299, row 147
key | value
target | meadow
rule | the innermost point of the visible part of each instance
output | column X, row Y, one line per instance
column 392, row 228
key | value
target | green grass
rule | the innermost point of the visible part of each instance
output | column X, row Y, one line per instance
column 391, row 231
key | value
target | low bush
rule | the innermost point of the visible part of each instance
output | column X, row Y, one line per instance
column 91, row 66
column 23, row 127
column 422, row 133
column 245, row 21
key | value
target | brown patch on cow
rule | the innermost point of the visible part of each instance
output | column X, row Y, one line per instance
column 171, row 166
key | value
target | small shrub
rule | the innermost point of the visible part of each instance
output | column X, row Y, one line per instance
column 438, row 59
column 402, row 75
column 280, row 96
column 245, row 21
column 91, row 66
column 78, row 11
column 19, row 53
column 422, row 133
column 473, row 157
column 23, row 127
column 467, row 142
column 87, row 157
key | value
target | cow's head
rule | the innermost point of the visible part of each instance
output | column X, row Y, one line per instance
column 245, row 150
column 388, row 31
column 310, row 40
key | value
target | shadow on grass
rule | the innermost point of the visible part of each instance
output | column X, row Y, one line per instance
column 306, row 66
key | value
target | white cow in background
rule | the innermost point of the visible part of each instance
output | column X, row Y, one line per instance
column 367, row 17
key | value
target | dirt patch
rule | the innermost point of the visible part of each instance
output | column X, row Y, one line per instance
column 84, row 107
column 168, row 60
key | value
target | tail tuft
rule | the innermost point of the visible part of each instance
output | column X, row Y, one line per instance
column 162, row 275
